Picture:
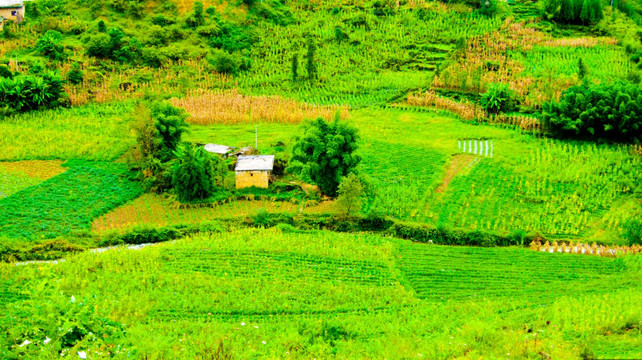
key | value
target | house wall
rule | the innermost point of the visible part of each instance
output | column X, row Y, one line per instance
column 259, row 179
column 6, row 13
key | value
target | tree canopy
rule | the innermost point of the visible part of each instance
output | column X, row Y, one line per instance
column 325, row 153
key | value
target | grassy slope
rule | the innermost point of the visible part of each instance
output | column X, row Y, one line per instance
column 267, row 294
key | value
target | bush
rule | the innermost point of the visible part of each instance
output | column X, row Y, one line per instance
column 633, row 231
column 498, row 98
column 170, row 123
column 611, row 112
column 351, row 192
column 75, row 75
column 232, row 38
column 225, row 63
column 31, row 92
column 425, row 233
column 50, row 45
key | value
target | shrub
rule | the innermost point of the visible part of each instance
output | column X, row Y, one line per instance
column 597, row 111
column 325, row 153
column 50, row 45
column 574, row 11
column 31, row 92
column 232, row 38
column 75, row 75
column 225, row 63
column 498, row 98
column 633, row 231
column 351, row 193
column 5, row 72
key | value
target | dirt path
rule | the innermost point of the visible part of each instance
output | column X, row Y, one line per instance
column 457, row 164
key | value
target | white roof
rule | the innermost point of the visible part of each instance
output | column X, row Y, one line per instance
column 215, row 148
column 11, row 3
column 254, row 162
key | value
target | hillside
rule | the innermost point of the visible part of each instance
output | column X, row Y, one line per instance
column 419, row 148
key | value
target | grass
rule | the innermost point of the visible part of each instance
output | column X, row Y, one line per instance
column 93, row 132
column 266, row 294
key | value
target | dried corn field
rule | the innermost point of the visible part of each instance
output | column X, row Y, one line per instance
column 535, row 65
column 472, row 112
column 232, row 107
column 585, row 249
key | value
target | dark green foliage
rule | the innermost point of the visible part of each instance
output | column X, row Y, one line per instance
column 611, row 112
column 114, row 45
column 325, row 154
column 273, row 11
column 193, row 174
column 102, row 28
column 311, row 64
column 50, row 45
column 574, row 11
column 582, row 71
column 31, row 92
column 498, row 98
column 295, row 67
column 488, row 7
column 5, row 72
column 633, row 231
column 443, row 236
column 75, row 75
column 66, row 203
column 170, row 123
column 197, row 18
column 227, row 63
column 232, row 38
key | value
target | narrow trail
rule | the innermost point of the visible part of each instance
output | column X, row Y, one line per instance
column 457, row 164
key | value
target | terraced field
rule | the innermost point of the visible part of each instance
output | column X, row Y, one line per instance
column 265, row 294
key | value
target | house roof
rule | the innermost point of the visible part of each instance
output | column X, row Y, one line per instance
column 255, row 162
column 10, row 4
column 217, row 149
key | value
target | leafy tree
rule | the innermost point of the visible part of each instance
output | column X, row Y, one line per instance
column 170, row 123
column 193, row 175
column 75, row 75
column 488, row 7
column 498, row 98
column 597, row 111
column 325, row 153
column 311, row 61
column 227, row 63
column 102, row 28
column 50, row 45
column 351, row 192
column 99, row 46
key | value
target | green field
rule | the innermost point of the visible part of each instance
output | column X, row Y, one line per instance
column 267, row 294
column 482, row 128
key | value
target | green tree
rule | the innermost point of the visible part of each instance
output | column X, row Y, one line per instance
column 325, row 153
column 596, row 11
column 311, row 61
column 193, row 173
column 170, row 123
column 585, row 12
column 351, row 192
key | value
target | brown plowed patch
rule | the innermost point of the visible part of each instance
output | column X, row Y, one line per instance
column 457, row 164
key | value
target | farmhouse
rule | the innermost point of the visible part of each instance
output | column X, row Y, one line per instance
column 254, row 170
column 11, row 10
